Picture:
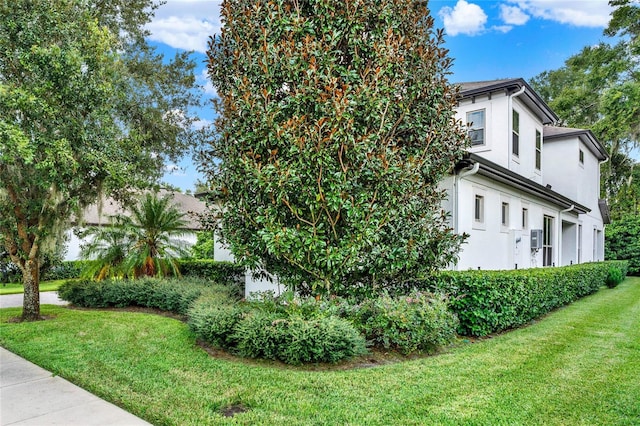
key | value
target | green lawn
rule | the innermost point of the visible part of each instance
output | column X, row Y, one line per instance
column 578, row 366
column 15, row 288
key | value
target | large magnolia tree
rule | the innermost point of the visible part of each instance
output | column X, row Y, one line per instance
column 336, row 122
column 86, row 107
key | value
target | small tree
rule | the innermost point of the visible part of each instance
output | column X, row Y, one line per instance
column 146, row 243
column 86, row 107
column 336, row 122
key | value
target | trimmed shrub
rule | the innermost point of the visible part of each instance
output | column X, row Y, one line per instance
column 492, row 301
column 215, row 322
column 165, row 294
column 614, row 277
column 297, row 340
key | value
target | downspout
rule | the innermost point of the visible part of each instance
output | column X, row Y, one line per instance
column 456, row 191
column 559, row 231
column 606, row 200
column 510, row 123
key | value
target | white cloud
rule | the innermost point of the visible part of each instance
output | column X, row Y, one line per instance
column 174, row 170
column 502, row 28
column 186, row 24
column 203, row 80
column 593, row 13
column 513, row 15
column 464, row 18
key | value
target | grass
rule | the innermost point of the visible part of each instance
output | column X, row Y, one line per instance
column 577, row 366
column 16, row 288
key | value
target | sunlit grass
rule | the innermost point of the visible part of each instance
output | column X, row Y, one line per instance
column 16, row 288
column 578, row 366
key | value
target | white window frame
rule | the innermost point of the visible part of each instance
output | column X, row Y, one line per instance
column 538, row 155
column 477, row 127
column 515, row 133
column 479, row 195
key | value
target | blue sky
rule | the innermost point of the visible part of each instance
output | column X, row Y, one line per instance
column 487, row 40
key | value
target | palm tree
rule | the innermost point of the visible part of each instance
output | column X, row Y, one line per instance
column 107, row 248
column 156, row 227
column 146, row 243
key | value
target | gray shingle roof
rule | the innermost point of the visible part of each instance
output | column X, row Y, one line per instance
column 188, row 204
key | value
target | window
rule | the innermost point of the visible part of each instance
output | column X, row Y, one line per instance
column 475, row 126
column 579, row 243
column 581, row 156
column 515, row 126
column 538, row 150
column 547, row 241
column 505, row 214
column 525, row 218
column 478, row 214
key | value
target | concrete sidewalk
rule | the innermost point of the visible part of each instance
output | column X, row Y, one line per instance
column 30, row 395
column 15, row 300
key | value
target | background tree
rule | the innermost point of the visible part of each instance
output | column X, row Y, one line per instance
column 86, row 107
column 336, row 122
column 622, row 242
column 599, row 89
column 147, row 242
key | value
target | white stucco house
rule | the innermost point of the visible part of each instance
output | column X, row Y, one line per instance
column 191, row 206
column 527, row 192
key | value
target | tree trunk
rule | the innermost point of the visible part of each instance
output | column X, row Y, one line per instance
column 31, row 283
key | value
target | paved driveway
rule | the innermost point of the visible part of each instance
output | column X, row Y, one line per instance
column 15, row 300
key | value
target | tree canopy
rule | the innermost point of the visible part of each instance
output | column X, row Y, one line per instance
column 86, row 107
column 599, row 89
column 336, row 122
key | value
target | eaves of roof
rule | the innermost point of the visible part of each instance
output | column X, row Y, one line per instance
column 604, row 211
column 552, row 133
column 500, row 174
column 510, row 86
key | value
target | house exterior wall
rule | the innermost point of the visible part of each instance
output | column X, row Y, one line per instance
column 494, row 245
column 498, row 133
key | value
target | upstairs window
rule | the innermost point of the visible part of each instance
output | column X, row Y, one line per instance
column 515, row 127
column 581, row 157
column 475, row 127
column 538, row 150
column 525, row 218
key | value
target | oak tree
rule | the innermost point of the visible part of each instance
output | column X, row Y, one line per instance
column 86, row 108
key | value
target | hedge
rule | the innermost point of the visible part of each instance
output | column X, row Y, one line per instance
column 220, row 272
column 166, row 294
column 492, row 301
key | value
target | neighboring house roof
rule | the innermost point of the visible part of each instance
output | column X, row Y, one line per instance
column 552, row 133
column 188, row 204
column 469, row 90
column 500, row 174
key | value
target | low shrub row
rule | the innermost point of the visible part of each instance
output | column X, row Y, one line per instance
column 492, row 301
column 297, row 330
column 166, row 294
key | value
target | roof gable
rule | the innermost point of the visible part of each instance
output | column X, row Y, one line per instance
column 470, row 90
